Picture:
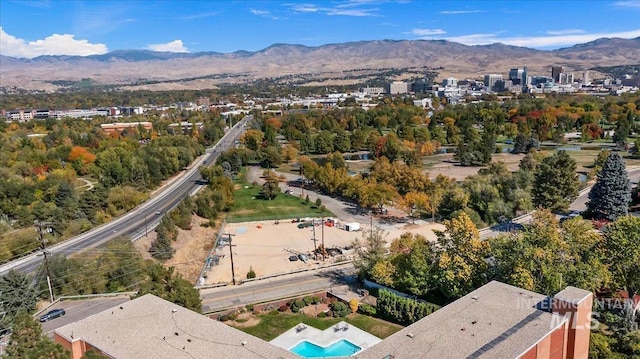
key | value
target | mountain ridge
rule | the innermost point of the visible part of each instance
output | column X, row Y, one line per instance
column 128, row 67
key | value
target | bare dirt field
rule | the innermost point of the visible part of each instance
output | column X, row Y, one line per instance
column 266, row 246
column 192, row 248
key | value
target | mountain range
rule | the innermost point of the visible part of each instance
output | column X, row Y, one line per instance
column 319, row 65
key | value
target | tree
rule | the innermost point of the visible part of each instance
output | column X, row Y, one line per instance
column 611, row 195
column 16, row 293
column 621, row 246
column 460, row 257
column 169, row 285
column 270, row 188
column 27, row 340
column 416, row 204
column 556, row 182
column 371, row 250
column 166, row 233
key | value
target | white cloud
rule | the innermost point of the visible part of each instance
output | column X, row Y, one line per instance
column 628, row 3
column 427, row 32
column 55, row 44
column 458, row 12
column 265, row 13
column 536, row 41
column 352, row 12
column 201, row 15
column 173, row 46
column 565, row 32
column 349, row 8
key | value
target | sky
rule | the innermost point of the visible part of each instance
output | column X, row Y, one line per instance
column 31, row 28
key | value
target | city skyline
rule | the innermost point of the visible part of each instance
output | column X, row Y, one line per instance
column 33, row 28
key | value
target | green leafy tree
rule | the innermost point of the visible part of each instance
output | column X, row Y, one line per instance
column 621, row 246
column 610, row 197
column 166, row 233
column 460, row 257
column 270, row 188
column 16, row 293
column 371, row 250
column 169, row 285
column 556, row 182
column 28, row 341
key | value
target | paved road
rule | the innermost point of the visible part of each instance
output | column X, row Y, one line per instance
column 580, row 204
column 79, row 309
column 261, row 291
column 135, row 223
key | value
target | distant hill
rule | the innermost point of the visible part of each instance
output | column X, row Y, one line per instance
column 131, row 67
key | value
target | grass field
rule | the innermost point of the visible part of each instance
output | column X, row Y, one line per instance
column 249, row 207
column 271, row 326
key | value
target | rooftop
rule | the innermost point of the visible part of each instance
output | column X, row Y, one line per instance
column 151, row 327
column 494, row 321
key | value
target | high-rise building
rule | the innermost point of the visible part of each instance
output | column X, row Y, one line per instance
column 515, row 75
column 490, row 80
column 585, row 78
column 555, row 73
column 449, row 82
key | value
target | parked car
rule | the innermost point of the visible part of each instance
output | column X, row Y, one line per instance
column 56, row 313
column 293, row 258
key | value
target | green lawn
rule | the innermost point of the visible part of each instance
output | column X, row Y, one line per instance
column 248, row 206
column 271, row 326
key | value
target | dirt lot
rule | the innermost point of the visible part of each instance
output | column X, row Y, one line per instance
column 264, row 246
column 192, row 248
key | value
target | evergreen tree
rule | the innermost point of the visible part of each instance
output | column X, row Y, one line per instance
column 168, row 285
column 610, row 196
column 556, row 182
column 17, row 294
column 27, row 340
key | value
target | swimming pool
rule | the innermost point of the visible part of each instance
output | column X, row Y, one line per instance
column 341, row 348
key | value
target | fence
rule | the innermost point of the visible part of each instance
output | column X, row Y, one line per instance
column 209, row 261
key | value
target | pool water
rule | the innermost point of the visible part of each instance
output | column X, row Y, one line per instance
column 342, row 348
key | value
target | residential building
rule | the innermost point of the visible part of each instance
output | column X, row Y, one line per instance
column 496, row 320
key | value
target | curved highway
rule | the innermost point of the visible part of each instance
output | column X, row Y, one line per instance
column 141, row 219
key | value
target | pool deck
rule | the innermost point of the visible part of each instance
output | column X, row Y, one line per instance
column 325, row 338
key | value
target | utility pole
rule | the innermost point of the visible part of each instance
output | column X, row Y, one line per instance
column 43, row 228
column 324, row 249
column 233, row 272
column 315, row 248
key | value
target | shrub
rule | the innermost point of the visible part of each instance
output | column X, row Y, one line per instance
column 323, row 208
column 340, row 309
column 322, row 315
column 273, row 312
column 251, row 273
column 283, row 308
column 224, row 318
column 318, row 202
column 330, row 313
column 307, row 300
column 367, row 309
column 249, row 307
column 315, row 300
column 295, row 309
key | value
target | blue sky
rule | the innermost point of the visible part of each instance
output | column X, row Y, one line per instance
column 30, row 28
